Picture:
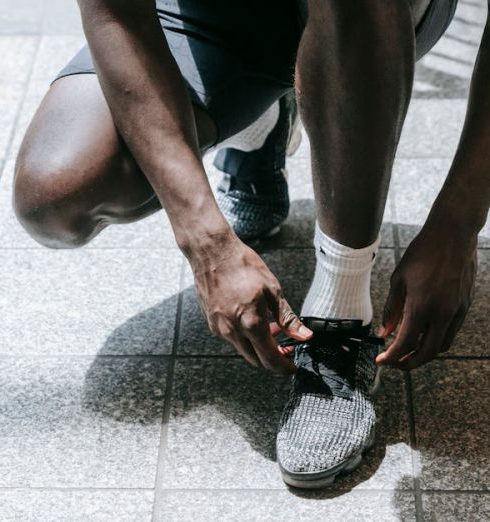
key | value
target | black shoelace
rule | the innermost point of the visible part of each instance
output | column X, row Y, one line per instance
column 327, row 362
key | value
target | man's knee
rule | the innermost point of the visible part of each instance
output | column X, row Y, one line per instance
column 46, row 206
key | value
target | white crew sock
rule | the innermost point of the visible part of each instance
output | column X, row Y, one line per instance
column 253, row 137
column 342, row 281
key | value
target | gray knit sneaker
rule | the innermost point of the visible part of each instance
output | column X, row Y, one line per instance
column 329, row 419
column 253, row 193
column 252, row 209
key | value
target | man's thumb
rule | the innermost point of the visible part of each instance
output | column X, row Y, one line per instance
column 291, row 324
column 392, row 311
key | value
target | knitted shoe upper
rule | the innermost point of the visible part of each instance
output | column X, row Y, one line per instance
column 330, row 414
column 251, row 209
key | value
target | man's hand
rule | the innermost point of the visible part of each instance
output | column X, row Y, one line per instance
column 238, row 295
column 431, row 291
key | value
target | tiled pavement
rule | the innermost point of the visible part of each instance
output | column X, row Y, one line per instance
column 115, row 404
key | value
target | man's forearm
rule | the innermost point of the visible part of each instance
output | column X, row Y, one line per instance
column 464, row 200
column 152, row 111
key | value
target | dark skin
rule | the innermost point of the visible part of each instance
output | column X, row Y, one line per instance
column 140, row 145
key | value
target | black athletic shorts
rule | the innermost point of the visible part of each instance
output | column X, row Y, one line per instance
column 237, row 56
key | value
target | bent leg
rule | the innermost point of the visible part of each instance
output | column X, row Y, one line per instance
column 74, row 175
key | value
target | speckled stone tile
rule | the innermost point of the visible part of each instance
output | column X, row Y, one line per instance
column 80, row 422
column 207, row 506
column 223, row 423
column 20, row 505
column 222, row 426
column 53, row 54
column 17, row 53
column 452, row 424
column 10, row 99
column 456, row 507
column 294, row 269
column 61, row 18
column 34, row 94
column 84, row 302
column 432, row 128
column 446, row 71
column 20, row 16
column 472, row 339
column 415, row 186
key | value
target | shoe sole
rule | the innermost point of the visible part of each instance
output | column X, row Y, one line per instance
column 323, row 479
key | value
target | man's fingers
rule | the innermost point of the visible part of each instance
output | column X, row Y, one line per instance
column 430, row 346
column 267, row 351
column 453, row 329
column 275, row 329
column 393, row 310
column 246, row 350
column 289, row 322
column 406, row 341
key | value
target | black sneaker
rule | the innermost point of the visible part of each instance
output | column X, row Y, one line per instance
column 253, row 193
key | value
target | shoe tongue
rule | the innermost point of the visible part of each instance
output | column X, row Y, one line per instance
column 326, row 369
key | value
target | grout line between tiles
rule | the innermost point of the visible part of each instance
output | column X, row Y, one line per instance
column 157, row 497
column 407, row 379
column 68, row 489
column 419, row 510
column 251, row 490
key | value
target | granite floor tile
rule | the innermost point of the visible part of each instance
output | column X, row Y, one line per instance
column 268, row 506
column 61, row 18
column 17, row 53
column 20, row 505
column 33, row 96
column 222, row 426
column 432, row 128
column 35, row 92
column 472, row 339
column 87, row 302
column 54, row 53
column 10, row 99
column 294, row 269
column 20, row 16
column 80, row 422
column 415, row 185
column 452, row 424
column 223, row 423
column 456, row 507
column 445, row 72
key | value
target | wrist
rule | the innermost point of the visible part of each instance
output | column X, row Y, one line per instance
column 457, row 213
column 206, row 240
